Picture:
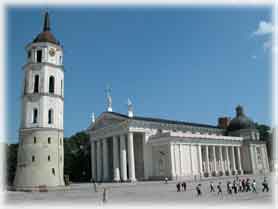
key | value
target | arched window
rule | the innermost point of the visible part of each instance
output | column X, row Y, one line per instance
column 61, row 87
column 49, row 140
column 33, row 158
column 39, row 56
column 36, row 84
column 48, row 157
column 35, row 140
column 53, row 171
column 35, row 115
column 29, row 54
column 50, row 116
column 51, row 84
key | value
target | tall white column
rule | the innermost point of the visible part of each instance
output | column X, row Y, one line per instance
column 239, row 161
column 252, row 163
column 227, row 160
column 131, row 170
column 93, row 161
column 214, row 160
column 105, row 162
column 221, row 160
column 116, row 167
column 264, row 151
column 233, row 159
column 262, row 157
column 173, row 161
column 99, row 161
column 123, row 158
column 200, row 160
column 207, row 160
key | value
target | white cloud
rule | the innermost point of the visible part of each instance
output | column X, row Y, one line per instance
column 264, row 28
column 267, row 44
column 254, row 57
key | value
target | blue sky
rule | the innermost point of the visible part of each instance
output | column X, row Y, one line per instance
column 186, row 63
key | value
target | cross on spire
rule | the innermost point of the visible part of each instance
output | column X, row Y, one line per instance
column 46, row 24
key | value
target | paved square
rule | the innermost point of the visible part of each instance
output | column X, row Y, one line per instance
column 144, row 193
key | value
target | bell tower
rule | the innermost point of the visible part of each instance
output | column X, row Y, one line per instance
column 40, row 159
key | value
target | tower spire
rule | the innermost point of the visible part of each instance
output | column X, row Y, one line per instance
column 46, row 24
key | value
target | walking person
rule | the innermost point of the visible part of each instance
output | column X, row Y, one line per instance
column 240, row 185
column 211, row 187
column 265, row 185
column 104, row 196
column 230, row 191
column 184, row 186
column 234, row 186
column 178, row 187
column 198, row 189
column 219, row 189
column 254, row 186
column 248, row 186
column 243, row 183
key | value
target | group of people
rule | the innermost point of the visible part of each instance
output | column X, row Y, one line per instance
column 238, row 185
column 235, row 186
column 181, row 186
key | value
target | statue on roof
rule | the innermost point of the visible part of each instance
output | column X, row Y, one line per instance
column 109, row 98
column 130, row 108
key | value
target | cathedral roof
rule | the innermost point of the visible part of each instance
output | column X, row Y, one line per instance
column 159, row 120
column 241, row 121
column 46, row 35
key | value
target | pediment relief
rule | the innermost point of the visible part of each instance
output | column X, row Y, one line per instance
column 106, row 120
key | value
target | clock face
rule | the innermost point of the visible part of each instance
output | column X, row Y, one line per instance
column 52, row 52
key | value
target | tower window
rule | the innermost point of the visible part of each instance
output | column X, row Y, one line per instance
column 25, row 86
column 48, row 158
column 33, row 158
column 50, row 116
column 49, row 140
column 61, row 87
column 36, row 84
column 39, row 56
column 51, row 84
column 29, row 54
column 35, row 115
column 53, row 171
column 35, row 140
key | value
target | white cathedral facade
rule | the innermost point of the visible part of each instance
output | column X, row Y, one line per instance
column 40, row 159
column 132, row 148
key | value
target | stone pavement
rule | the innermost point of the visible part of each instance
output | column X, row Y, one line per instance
column 144, row 193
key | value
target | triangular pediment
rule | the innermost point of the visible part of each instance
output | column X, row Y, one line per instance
column 106, row 119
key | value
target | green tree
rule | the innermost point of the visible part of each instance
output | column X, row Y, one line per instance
column 266, row 135
column 77, row 160
column 11, row 161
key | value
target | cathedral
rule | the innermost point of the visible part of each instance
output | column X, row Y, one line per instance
column 134, row 148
